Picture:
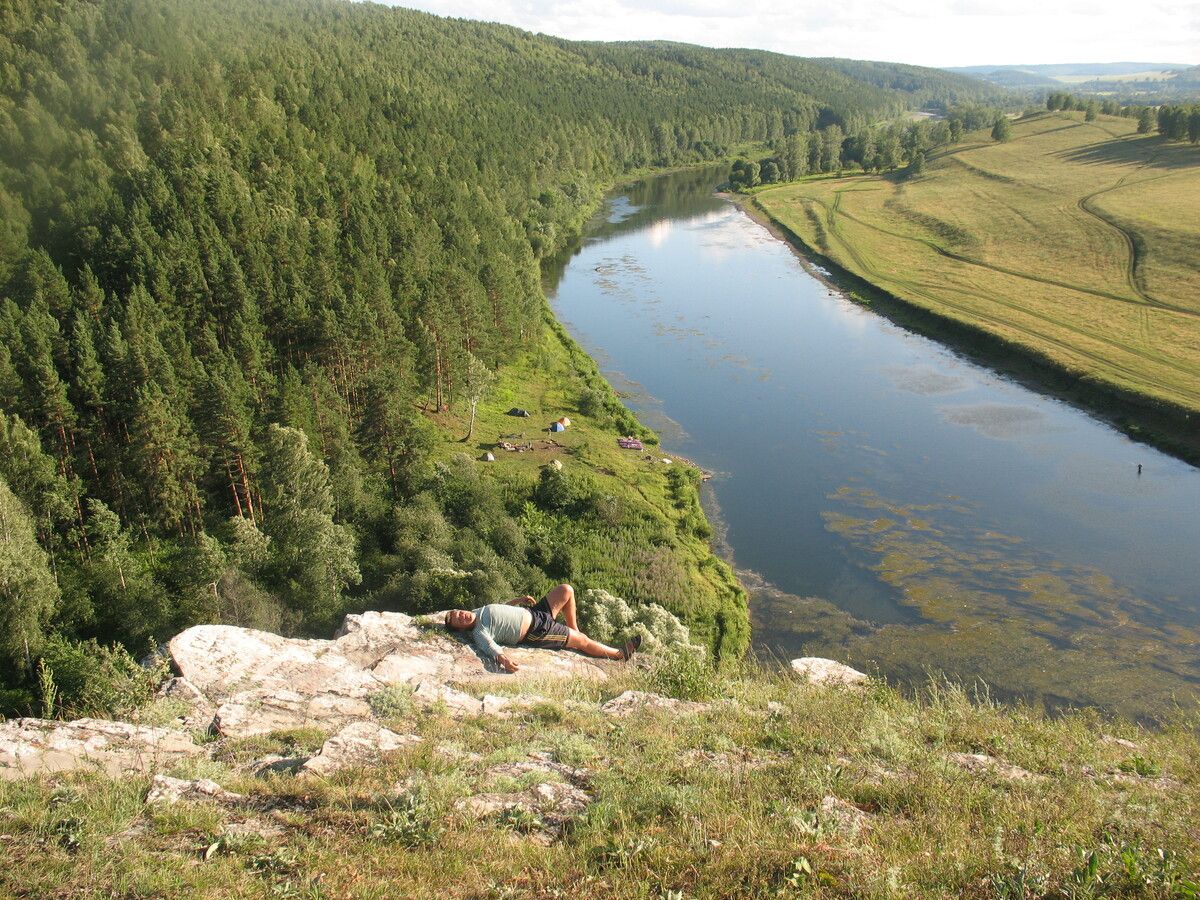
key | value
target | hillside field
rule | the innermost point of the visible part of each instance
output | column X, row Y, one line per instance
column 1075, row 242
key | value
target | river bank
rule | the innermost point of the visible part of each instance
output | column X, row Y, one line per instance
column 1164, row 426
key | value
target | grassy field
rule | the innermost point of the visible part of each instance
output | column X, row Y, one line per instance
column 1077, row 242
column 824, row 793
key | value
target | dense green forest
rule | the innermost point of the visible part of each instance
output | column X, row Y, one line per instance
column 248, row 248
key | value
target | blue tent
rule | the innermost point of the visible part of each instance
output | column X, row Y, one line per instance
column 558, row 426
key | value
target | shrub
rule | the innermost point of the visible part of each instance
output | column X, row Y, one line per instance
column 84, row 678
column 609, row 619
column 410, row 824
column 393, row 702
column 518, row 818
column 555, row 491
column 592, row 403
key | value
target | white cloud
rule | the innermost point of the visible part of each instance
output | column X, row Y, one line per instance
column 932, row 33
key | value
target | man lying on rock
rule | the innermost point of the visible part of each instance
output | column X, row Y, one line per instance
column 519, row 621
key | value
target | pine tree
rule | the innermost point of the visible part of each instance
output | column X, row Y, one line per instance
column 46, row 397
column 50, row 497
column 313, row 557
column 226, row 416
column 389, row 432
column 29, row 592
column 161, row 460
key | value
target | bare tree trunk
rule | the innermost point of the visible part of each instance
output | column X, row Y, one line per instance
column 471, row 430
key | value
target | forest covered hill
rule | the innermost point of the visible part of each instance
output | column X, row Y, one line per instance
column 255, row 257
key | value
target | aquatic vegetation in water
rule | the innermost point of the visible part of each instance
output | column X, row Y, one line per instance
column 993, row 606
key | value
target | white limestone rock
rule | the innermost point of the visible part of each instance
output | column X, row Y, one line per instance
column 843, row 816
column 358, row 744
column 1123, row 743
column 265, row 710
column 817, row 670
column 167, row 790
column 552, row 805
column 37, row 746
column 200, row 711
column 258, row 682
column 636, row 701
column 541, row 766
column 982, row 764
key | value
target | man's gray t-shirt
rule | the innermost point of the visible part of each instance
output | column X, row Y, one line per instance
column 499, row 623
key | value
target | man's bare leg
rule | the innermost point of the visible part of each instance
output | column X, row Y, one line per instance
column 577, row 640
column 562, row 600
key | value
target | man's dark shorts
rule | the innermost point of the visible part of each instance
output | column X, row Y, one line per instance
column 544, row 631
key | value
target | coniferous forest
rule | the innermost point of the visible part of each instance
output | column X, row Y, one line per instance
column 245, row 246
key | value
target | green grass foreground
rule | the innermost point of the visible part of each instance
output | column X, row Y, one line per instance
column 1074, row 243
column 832, row 793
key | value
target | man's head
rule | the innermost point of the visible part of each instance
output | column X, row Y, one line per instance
column 460, row 619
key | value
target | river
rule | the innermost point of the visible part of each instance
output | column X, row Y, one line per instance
column 888, row 502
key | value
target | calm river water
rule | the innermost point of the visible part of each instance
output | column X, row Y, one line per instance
column 888, row 502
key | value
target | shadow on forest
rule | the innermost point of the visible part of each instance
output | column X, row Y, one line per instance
column 1155, row 152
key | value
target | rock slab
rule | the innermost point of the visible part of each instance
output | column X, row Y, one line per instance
column 257, row 682
column 817, row 670
column 632, row 702
column 358, row 744
column 37, row 746
column 164, row 789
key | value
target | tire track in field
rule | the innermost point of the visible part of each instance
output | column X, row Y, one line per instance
column 1131, row 269
column 1103, row 363
column 1126, row 235
column 1016, row 307
column 1142, row 301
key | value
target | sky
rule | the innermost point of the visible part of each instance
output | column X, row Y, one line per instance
column 925, row 32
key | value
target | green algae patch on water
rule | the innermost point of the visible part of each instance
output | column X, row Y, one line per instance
column 1030, row 626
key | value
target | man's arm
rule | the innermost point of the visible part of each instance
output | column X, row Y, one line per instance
column 482, row 638
column 522, row 601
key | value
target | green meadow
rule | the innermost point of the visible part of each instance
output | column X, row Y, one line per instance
column 627, row 521
column 1075, row 242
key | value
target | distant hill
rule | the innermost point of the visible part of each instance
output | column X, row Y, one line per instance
column 1189, row 76
column 1127, row 81
column 1052, row 70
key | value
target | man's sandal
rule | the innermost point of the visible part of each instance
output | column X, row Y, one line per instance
column 631, row 647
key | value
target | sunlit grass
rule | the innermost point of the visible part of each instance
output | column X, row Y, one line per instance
column 1073, row 240
column 643, row 537
column 739, row 800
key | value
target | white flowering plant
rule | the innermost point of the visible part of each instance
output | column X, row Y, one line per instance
column 611, row 620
